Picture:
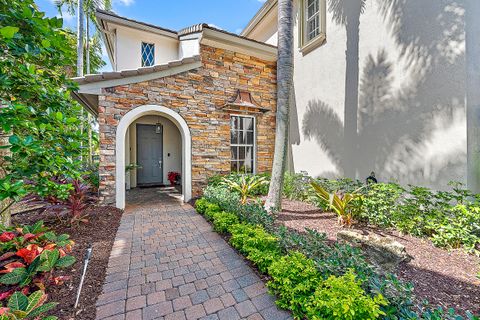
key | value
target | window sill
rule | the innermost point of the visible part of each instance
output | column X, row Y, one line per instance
column 313, row 44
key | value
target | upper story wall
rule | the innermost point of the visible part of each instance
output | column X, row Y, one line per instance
column 128, row 47
column 384, row 92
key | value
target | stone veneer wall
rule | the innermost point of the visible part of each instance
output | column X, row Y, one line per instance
column 198, row 96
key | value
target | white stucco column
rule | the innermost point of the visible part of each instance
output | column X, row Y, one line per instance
column 120, row 142
column 472, row 30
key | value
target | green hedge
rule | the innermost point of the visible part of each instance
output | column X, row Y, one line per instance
column 311, row 278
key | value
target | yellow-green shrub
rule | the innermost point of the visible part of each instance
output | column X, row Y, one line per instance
column 342, row 298
column 259, row 246
column 222, row 221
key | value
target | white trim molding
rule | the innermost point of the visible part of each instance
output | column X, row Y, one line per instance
column 122, row 127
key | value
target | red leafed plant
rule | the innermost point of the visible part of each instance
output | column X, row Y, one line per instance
column 29, row 256
column 173, row 177
column 79, row 199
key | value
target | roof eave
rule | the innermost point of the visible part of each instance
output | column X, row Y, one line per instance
column 122, row 21
column 214, row 37
column 258, row 17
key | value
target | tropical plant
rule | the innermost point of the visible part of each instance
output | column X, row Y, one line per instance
column 37, row 112
column 284, row 94
column 79, row 199
column 132, row 166
column 29, row 256
column 20, row 306
column 246, row 185
column 347, row 206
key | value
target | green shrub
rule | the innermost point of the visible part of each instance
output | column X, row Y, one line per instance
column 211, row 210
column 294, row 280
column 201, row 205
column 343, row 298
column 222, row 221
column 259, row 246
column 461, row 226
column 296, row 186
column 379, row 203
column 252, row 213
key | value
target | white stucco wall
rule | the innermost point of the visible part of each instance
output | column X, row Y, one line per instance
column 172, row 147
column 128, row 47
column 411, row 111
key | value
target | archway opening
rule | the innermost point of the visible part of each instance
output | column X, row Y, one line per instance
column 151, row 142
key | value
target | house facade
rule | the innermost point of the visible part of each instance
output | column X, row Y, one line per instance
column 199, row 102
column 379, row 86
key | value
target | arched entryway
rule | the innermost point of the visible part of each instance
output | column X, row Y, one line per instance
column 120, row 163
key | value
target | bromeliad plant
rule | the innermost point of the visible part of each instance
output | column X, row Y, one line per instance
column 347, row 205
column 246, row 185
column 29, row 255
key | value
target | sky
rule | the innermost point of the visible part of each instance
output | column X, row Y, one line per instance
column 229, row 15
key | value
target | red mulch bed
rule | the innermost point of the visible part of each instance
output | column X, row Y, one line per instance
column 445, row 278
column 100, row 233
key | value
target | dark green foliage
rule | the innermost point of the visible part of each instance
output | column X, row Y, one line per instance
column 36, row 108
column 253, row 213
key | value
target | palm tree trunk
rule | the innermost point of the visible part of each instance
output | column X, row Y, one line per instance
column 472, row 28
column 284, row 87
column 80, row 36
column 5, row 212
column 87, row 44
column 351, row 97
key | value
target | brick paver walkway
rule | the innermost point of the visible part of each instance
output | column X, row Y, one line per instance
column 167, row 263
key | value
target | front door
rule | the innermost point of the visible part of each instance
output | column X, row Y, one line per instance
column 149, row 155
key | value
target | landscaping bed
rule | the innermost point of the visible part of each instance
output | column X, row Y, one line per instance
column 100, row 233
column 446, row 278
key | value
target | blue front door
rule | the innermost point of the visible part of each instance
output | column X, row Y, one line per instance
column 149, row 155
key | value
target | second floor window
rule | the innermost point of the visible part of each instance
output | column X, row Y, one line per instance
column 148, row 54
column 312, row 30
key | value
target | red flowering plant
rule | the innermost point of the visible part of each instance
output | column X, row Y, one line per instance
column 173, row 177
column 29, row 255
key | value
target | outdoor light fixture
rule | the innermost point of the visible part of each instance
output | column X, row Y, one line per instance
column 158, row 127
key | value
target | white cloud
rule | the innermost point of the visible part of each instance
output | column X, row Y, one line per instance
column 124, row 2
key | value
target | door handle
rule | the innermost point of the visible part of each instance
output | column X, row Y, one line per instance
column 160, row 163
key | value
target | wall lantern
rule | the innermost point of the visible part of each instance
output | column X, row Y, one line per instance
column 158, row 127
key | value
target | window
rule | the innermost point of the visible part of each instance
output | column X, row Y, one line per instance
column 148, row 54
column 242, row 144
column 312, row 32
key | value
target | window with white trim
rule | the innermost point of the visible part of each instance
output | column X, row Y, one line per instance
column 313, row 25
column 242, row 144
column 148, row 54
